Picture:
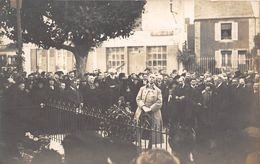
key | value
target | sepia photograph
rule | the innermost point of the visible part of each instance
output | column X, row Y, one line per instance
column 129, row 81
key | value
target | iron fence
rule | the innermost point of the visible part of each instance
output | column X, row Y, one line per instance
column 210, row 64
column 66, row 118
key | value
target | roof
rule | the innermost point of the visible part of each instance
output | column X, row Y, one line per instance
column 217, row 9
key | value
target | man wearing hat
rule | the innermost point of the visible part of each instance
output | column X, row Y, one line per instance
column 112, row 84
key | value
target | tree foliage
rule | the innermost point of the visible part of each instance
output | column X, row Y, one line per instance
column 186, row 56
column 257, row 44
column 1, row 37
column 76, row 26
column 257, row 40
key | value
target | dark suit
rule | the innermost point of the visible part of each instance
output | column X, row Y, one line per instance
column 113, row 90
column 74, row 96
column 182, row 104
column 193, row 109
column 221, row 106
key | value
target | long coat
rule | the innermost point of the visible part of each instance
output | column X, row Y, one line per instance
column 152, row 98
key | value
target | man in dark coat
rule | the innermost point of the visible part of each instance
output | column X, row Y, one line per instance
column 112, row 84
column 254, row 107
column 134, row 86
column 39, row 93
column 172, row 108
column 221, row 103
column 243, row 94
column 182, row 97
column 73, row 95
column 61, row 91
column 91, row 94
column 193, row 108
column 165, row 92
column 51, row 89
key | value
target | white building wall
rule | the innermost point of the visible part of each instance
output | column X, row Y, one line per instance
column 160, row 27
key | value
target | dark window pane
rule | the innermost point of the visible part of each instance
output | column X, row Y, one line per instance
column 164, row 49
column 223, row 60
column 226, row 29
column 164, row 56
column 229, row 60
column 164, row 63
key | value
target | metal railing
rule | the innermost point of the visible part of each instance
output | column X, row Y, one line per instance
column 204, row 64
column 67, row 118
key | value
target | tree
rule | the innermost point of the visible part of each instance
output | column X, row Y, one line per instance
column 76, row 26
column 256, row 44
column 254, row 52
column 186, row 57
column 1, row 37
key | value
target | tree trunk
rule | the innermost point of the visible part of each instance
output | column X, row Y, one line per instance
column 81, row 55
column 80, row 65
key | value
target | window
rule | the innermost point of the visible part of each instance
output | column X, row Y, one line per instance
column 116, row 58
column 226, row 31
column 242, row 57
column 52, row 60
column 12, row 60
column 156, row 58
column 226, row 58
column 59, row 59
column 3, row 60
column 42, row 60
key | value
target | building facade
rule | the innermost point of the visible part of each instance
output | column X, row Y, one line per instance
column 154, row 45
column 225, row 30
column 136, row 54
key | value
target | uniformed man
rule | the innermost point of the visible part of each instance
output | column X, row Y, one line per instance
column 149, row 102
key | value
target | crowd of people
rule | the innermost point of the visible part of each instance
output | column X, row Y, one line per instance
column 187, row 97
column 202, row 102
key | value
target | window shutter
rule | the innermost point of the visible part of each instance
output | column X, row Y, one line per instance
column 217, row 32
column 234, row 58
column 234, row 31
column 218, row 59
